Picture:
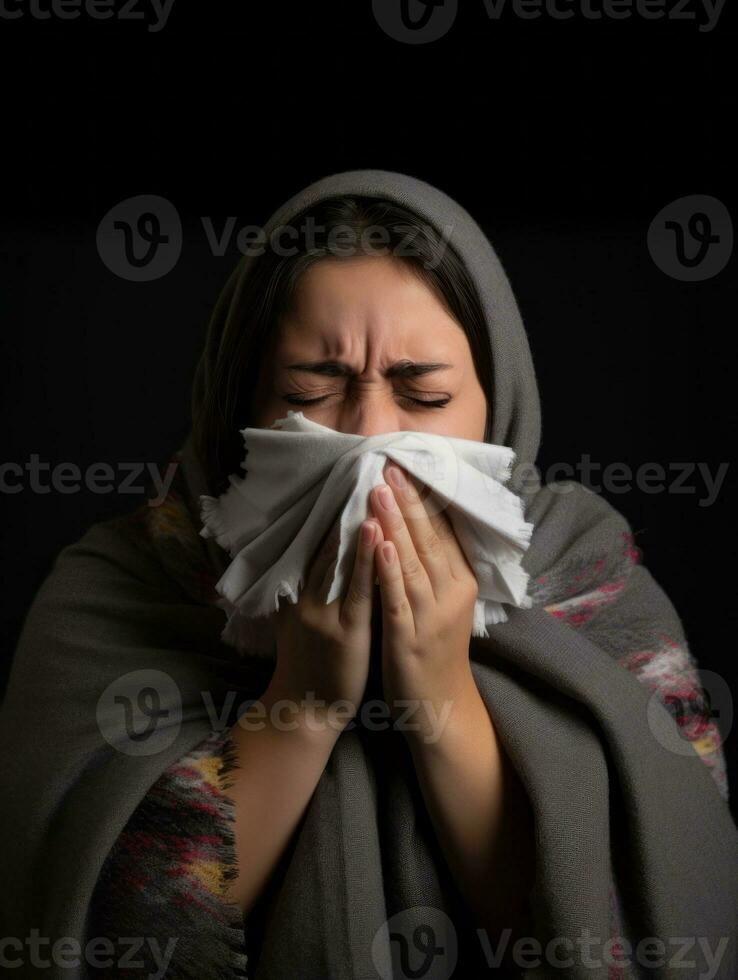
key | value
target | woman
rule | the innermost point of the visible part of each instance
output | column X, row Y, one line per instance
column 556, row 805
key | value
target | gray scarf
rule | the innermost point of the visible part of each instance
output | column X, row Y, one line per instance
column 618, row 809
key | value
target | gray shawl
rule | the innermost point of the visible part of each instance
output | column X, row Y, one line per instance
column 619, row 809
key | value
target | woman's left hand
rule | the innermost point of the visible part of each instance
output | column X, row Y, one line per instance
column 428, row 591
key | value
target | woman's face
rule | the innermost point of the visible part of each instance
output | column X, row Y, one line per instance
column 353, row 344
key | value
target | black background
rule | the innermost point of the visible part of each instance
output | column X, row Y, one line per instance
column 563, row 138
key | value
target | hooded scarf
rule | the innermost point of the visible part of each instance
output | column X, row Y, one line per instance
column 120, row 669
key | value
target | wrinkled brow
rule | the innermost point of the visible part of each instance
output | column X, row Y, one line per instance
column 402, row 369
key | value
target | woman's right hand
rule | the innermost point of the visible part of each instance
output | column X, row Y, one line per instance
column 325, row 647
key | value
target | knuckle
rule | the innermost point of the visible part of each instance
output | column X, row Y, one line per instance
column 398, row 608
column 433, row 546
column 356, row 595
column 411, row 567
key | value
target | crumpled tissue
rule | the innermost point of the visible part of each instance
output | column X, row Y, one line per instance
column 302, row 477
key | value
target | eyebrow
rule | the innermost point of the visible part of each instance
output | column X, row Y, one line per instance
column 401, row 369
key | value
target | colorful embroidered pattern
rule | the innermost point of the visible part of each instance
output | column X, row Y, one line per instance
column 171, row 866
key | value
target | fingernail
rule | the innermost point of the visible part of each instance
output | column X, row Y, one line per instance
column 397, row 477
column 388, row 551
column 386, row 498
column 367, row 532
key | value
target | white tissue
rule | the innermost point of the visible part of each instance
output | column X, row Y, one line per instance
column 301, row 476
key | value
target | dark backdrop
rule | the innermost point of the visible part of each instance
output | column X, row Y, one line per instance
column 563, row 138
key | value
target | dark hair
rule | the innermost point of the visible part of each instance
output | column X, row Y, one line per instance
column 227, row 403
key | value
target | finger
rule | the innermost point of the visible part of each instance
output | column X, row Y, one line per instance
column 398, row 620
column 429, row 545
column 458, row 563
column 356, row 608
column 417, row 584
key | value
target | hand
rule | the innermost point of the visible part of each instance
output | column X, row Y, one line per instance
column 324, row 648
column 428, row 591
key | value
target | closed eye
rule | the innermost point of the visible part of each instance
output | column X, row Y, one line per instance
column 426, row 403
